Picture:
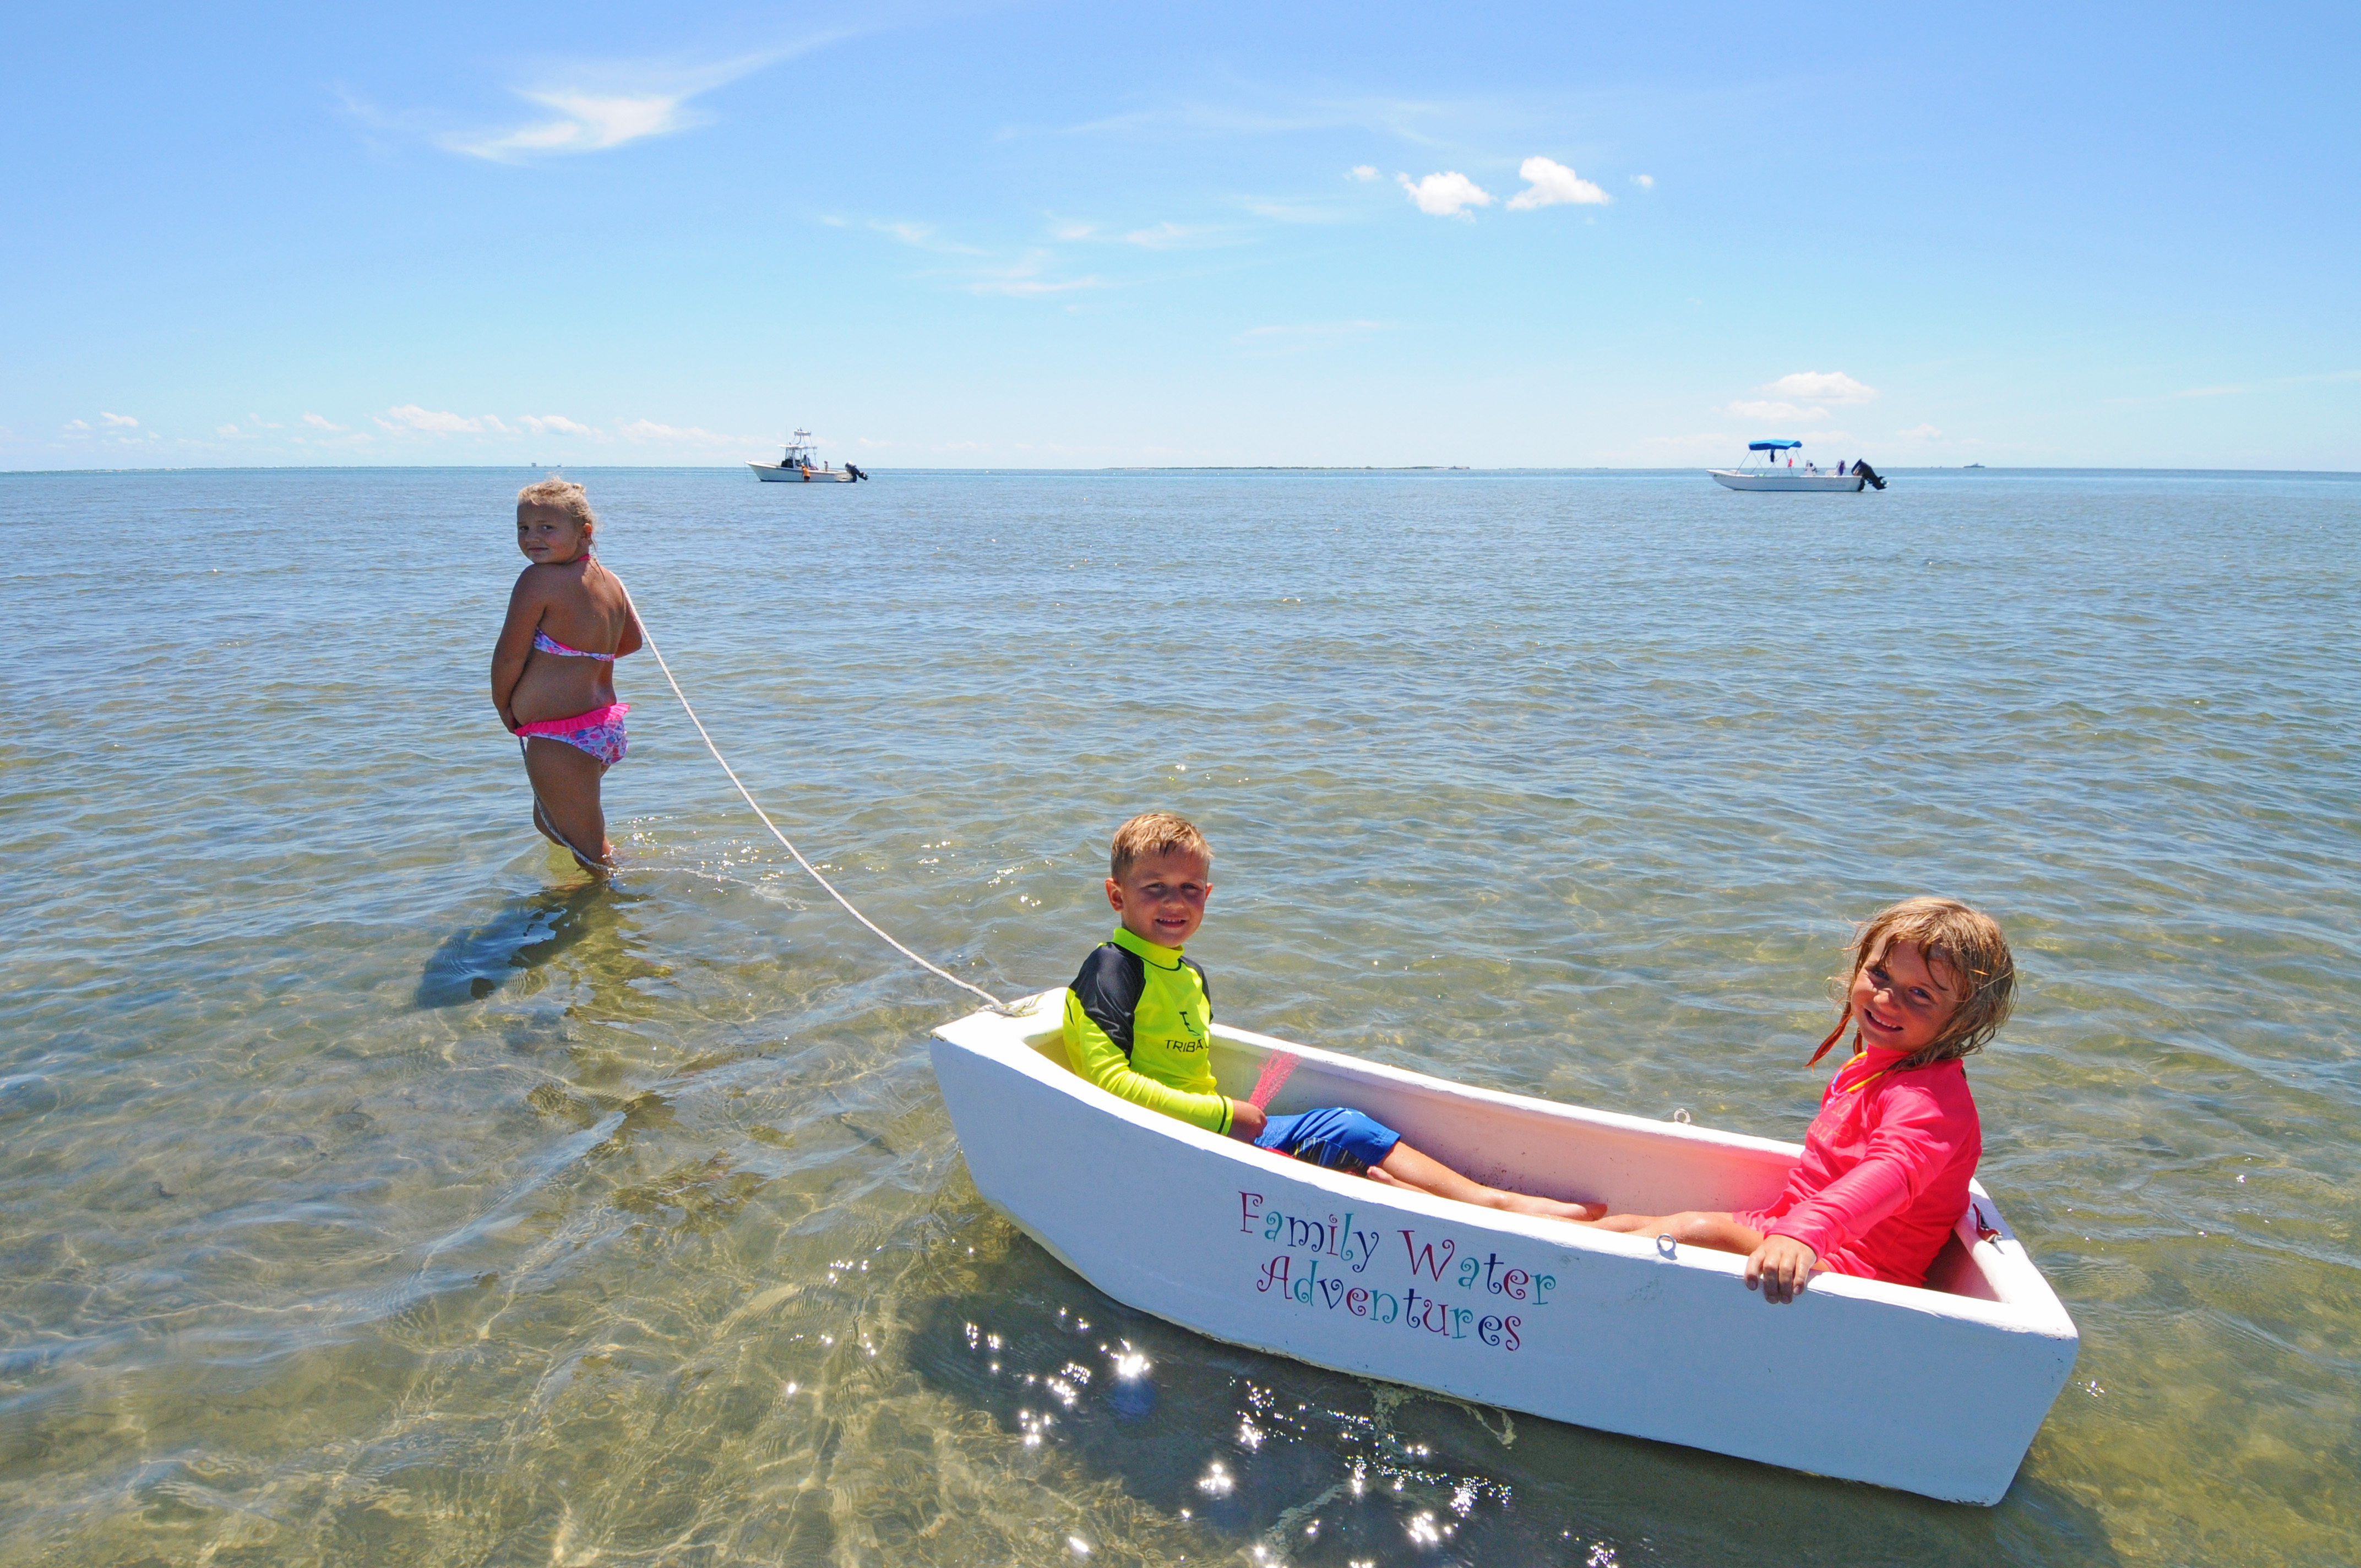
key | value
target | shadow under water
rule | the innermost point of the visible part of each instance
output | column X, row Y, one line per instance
column 529, row 930
column 1292, row 1463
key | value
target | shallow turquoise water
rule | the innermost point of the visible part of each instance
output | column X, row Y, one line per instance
column 371, row 1187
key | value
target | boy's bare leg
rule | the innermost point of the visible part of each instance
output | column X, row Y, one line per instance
column 1696, row 1227
column 1408, row 1168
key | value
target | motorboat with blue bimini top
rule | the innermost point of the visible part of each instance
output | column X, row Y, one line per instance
column 797, row 468
column 1777, row 475
column 1937, row 1389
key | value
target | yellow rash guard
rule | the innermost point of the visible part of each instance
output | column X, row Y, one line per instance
column 1138, row 1020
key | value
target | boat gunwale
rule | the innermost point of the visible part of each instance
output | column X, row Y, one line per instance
column 2026, row 1303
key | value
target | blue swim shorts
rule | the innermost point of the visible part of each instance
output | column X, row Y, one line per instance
column 1336, row 1138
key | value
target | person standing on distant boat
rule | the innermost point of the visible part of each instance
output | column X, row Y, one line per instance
column 553, row 668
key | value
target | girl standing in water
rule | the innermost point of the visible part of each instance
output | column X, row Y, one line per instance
column 553, row 668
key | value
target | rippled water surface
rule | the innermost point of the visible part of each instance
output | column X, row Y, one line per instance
column 372, row 1189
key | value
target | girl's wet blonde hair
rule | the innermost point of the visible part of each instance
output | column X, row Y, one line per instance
column 560, row 494
column 1969, row 955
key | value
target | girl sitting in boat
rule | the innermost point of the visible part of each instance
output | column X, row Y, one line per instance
column 553, row 668
column 1139, row 1015
column 1885, row 1168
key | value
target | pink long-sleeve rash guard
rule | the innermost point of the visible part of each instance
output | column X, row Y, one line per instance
column 1884, row 1173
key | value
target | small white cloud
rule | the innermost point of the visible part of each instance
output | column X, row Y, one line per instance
column 77, row 427
column 1550, row 184
column 1074, row 231
column 1821, row 387
column 316, row 422
column 1919, row 433
column 1645, row 181
column 228, row 429
column 122, row 422
column 1446, row 195
column 552, row 424
column 1361, row 171
column 411, row 416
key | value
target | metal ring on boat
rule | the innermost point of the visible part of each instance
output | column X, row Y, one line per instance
column 1666, row 1246
column 1681, row 1115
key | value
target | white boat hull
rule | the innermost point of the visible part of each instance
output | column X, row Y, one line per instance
column 1937, row 1391
column 1785, row 479
column 772, row 474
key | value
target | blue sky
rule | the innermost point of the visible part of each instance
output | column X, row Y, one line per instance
column 1078, row 235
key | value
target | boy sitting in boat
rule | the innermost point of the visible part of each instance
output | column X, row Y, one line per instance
column 1885, row 1168
column 1139, row 1016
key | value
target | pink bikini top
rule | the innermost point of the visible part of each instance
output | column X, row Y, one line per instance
column 543, row 642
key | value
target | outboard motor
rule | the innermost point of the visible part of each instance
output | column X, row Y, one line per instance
column 858, row 476
column 1866, row 472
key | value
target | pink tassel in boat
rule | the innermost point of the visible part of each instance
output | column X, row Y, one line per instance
column 1275, row 1069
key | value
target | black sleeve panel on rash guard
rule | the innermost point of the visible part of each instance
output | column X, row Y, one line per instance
column 1108, row 988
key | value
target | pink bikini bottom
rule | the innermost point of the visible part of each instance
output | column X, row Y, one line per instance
column 599, row 732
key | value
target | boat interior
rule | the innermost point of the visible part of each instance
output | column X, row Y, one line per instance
column 1634, row 1164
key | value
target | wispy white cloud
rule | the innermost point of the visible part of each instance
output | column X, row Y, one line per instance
column 1822, row 387
column 1362, row 171
column 1645, row 181
column 583, row 122
column 228, row 429
column 1169, row 235
column 649, row 430
column 2212, row 391
column 597, row 106
column 410, row 416
column 118, row 421
column 1025, row 279
column 1073, row 231
column 317, row 423
column 548, row 424
column 1550, row 184
column 924, row 238
column 1446, row 195
column 76, row 427
column 1919, row 433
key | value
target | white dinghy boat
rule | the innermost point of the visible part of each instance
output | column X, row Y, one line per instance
column 1937, row 1390
column 1773, row 476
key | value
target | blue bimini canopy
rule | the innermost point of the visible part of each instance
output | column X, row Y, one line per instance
column 1770, row 445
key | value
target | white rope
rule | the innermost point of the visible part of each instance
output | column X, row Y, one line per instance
column 757, row 808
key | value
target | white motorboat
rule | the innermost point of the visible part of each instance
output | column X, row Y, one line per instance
column 1937, row 1390
column 1776, row 475
column 797, row 468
